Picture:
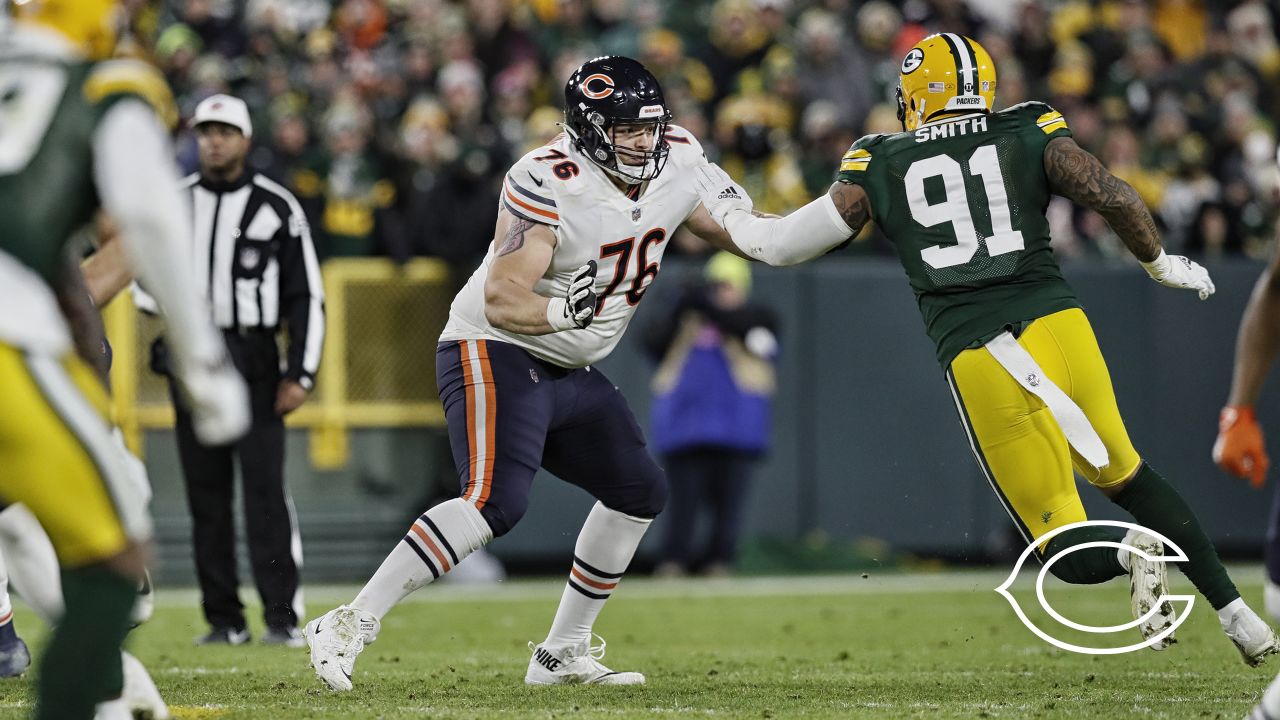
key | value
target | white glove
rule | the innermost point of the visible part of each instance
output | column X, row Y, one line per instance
column 578, row 306
column 219, row 400
column 720, row 194
column 1176, row 271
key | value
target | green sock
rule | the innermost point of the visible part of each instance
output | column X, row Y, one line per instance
column 81, row 664
column 1091, row 565
column 1155, row 504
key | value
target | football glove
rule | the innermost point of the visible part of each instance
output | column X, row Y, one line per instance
column 1176, row 271
column 218, row 398
column 578, row 306
column 720, row 194
column 1240, row 449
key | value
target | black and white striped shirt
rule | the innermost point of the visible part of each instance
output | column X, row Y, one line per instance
column 256, row 264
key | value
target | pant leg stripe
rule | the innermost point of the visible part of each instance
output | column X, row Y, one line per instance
column 93, row 434
column 469, row 383
column 440, row 536
column 490, row 423
column 982, row 460
column 434, row 573
column 479, row 417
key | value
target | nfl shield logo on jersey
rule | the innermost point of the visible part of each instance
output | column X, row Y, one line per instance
column 249, row 258
column 635, row 214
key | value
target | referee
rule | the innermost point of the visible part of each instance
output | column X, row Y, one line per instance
column 257, row 266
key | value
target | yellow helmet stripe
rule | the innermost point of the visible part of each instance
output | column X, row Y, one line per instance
column 966, row 72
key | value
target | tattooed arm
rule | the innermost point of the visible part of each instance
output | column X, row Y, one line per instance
column 1077, row 175
column 522, row 254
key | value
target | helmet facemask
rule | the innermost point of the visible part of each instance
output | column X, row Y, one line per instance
column 598, row 140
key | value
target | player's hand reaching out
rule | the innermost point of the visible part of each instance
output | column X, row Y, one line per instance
column 1176, row 271
column 1240, row 448
column 720, row 194
column 578, row 306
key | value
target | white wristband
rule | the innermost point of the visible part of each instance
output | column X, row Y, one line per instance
column 1158, row 267
column 558, row 315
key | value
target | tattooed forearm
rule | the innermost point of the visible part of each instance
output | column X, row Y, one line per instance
column 1077, row 175
column 852, row 203
column 514, row 239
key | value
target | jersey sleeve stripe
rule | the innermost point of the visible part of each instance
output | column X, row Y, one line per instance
column 548, row 214
column 1054, row 126
column 675, row 138
column 525, row 214
column 529, row 194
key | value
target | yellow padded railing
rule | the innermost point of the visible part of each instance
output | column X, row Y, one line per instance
column 378, row 367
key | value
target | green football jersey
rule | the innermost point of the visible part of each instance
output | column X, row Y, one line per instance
column 963, row 201
column 50, row 104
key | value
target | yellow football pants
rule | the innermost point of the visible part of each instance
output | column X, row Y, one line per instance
column 58, row 458
column 1015, row 438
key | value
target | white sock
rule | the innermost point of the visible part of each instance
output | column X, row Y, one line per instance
column 1224, row 615
column 33, row 564
column 604, row 550
column 435, row 543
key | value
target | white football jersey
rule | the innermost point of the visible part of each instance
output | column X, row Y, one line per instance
column 593, row 220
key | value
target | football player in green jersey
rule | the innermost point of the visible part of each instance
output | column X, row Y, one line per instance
column 83, row 133
column 961, row 193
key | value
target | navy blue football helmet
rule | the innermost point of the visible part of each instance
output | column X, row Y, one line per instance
column 614, row 91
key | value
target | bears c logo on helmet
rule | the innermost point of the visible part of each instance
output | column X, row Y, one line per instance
column 603, row 86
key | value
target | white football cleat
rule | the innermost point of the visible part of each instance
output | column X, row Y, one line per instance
column 140, row 693
column 336, row 639
column 575, row 665
column 1148, row 582
column 1252, row 636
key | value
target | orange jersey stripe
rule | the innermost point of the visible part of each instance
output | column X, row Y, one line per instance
column 444, row 563
column 490, row 424
column 588, row 581
column 545, row 213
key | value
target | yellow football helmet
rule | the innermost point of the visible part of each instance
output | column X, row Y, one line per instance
column 944, row 73
column 91, row 25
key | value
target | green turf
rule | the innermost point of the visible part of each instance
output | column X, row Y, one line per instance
column 887, row 646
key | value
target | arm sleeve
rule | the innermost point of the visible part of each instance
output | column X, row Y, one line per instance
column 136, row 179
column 301, row 298
column 807, row 233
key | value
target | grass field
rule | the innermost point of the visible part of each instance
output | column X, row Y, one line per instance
column 884, row 646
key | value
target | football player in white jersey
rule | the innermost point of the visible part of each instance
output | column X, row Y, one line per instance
column 581, row 231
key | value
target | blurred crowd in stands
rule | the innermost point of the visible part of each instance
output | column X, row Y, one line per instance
column 394, row 120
